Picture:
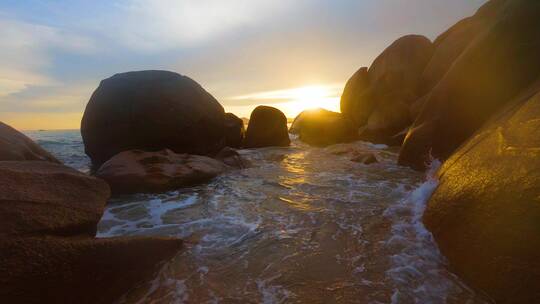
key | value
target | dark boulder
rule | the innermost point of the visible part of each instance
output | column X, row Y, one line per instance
column 321, row 127
column 232, row 158
column 356, row 103
column 151, row 110
column 365, row 158
column 378, row 100
column 39, row 197
column 485, row 213
column 74, row 270
column 267, row 127
column 492, row 70
column 16, row 146
column 234, row 130
column 136, row 171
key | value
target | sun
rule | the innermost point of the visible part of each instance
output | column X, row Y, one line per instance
column 295, row 100
column 311, row 97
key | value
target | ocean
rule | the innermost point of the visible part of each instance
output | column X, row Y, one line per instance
column 300, row 225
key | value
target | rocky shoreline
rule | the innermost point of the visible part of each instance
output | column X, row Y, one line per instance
column 470, row 99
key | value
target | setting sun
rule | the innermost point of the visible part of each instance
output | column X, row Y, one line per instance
column 295, row 100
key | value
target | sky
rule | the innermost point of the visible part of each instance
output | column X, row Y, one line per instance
column 291, row 54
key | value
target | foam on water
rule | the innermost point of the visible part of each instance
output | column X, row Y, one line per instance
column 302, row 225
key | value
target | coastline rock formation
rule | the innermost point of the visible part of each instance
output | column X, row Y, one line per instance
column 49, row 198
column 234, row 130
column 78, row 270
column 48, row 219
column 493, row 69
column 137, row 171
column 267, row 128
column 322, row 128
column 16, row 146
column 485, row 213
column 378, row 100
column 151, row 111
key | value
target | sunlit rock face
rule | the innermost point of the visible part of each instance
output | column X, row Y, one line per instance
column 322, row 128
column 267, row 127
column 151, row 110
column 16, row 146
column 378, row 100
column 485, row 214
column 492, row 70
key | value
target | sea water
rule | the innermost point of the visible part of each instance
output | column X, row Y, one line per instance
column 300, row 225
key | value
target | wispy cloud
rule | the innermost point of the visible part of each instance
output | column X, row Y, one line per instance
column 157, row 25
column 25, row 53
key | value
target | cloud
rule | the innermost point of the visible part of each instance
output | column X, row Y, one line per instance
column 157, row 25
column 25, row 52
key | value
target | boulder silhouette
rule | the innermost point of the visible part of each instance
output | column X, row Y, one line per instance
column 267, row 127
column 378, row 100
column 321, row 127
column 151, row 110
column 16, row 146
column 234, row 130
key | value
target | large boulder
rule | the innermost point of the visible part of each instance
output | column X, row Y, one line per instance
column 267, row 127
column 16, row 146
column 321, row 127
column 151, row 110
column 40, row 197
column 485, row 213
column 451, row 44
column 378, row 100
column 356, row 103
column 234, row 130
column 136, row 171
column 73, row 270
column 498, row 64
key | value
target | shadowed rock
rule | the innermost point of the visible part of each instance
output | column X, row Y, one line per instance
column 234, row 130
column 485, row 214
column 39, row 197
column 322, row 128
column 267, row 127
column 16, row 146
column 378, row 100
column 72, row 270
column 137, row 171
column 492, row 70
column 365, row 158
column 151, row 110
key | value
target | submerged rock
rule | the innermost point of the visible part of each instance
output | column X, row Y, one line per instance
column 378, row 100
column 232, row 158
column 234, row 130
column 137, row 171
column 322, row 128
column 44, row 198
column 267, row 127
column 485, row 213
column 500, row 62
column 365, row 158
column 151, row 110
column 16, row 146
column 74, row 270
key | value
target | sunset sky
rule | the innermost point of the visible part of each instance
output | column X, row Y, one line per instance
column 289, row 54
